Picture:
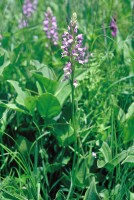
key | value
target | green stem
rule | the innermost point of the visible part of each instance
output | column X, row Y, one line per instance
column 75, row 132
column 73, row 101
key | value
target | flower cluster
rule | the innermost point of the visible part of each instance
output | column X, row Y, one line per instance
column 29, row 8
column 50, row 26
column 67, row 70
column 113, row 27
column 72, row 46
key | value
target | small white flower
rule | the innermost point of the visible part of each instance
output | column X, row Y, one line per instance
column 75, row 83
column 94, row 154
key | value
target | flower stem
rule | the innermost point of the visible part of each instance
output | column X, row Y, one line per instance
column 75, row 133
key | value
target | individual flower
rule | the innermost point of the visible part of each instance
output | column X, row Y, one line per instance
column 75, row 83
column 67, row 70
column 94, row 154
column 50, row 26
column 72, row 46
column 113, row 27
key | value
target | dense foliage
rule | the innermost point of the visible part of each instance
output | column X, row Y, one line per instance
column 66, row 100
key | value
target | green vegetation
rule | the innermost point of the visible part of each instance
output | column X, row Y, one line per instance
column 67, row 139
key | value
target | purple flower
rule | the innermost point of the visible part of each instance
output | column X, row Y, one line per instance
column 67, row 71
column 22, row 23
column 29, row 7
column 50, row 26
column 113, row 27
column 72, row 46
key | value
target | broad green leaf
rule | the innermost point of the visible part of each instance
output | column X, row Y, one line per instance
column 104, row 194
column 3, row 119
column 30, row 103
column 48, row 106
column 24, row 98
column 63, row 91
column 47, row 85
column 23, row 145
column 6, row 118
column 129, row 159
column 127, row 123
column 114, row 192
column 128, row 130
column 5, row 64
column 121, row 156
column 21, row 94
column 130, row 111
column 101, row 163
column 131, row 196
column 116, row 160
column 53, row 167
column 43, row 69
column 81, row 174
column 11, row 106
column 65, row 160
column 60, row 195
column 40, row 89
column 106, row 151
column 4, row 60
column 91, row 193
column 121, row 115
column 64, row 134
column 2, row 56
